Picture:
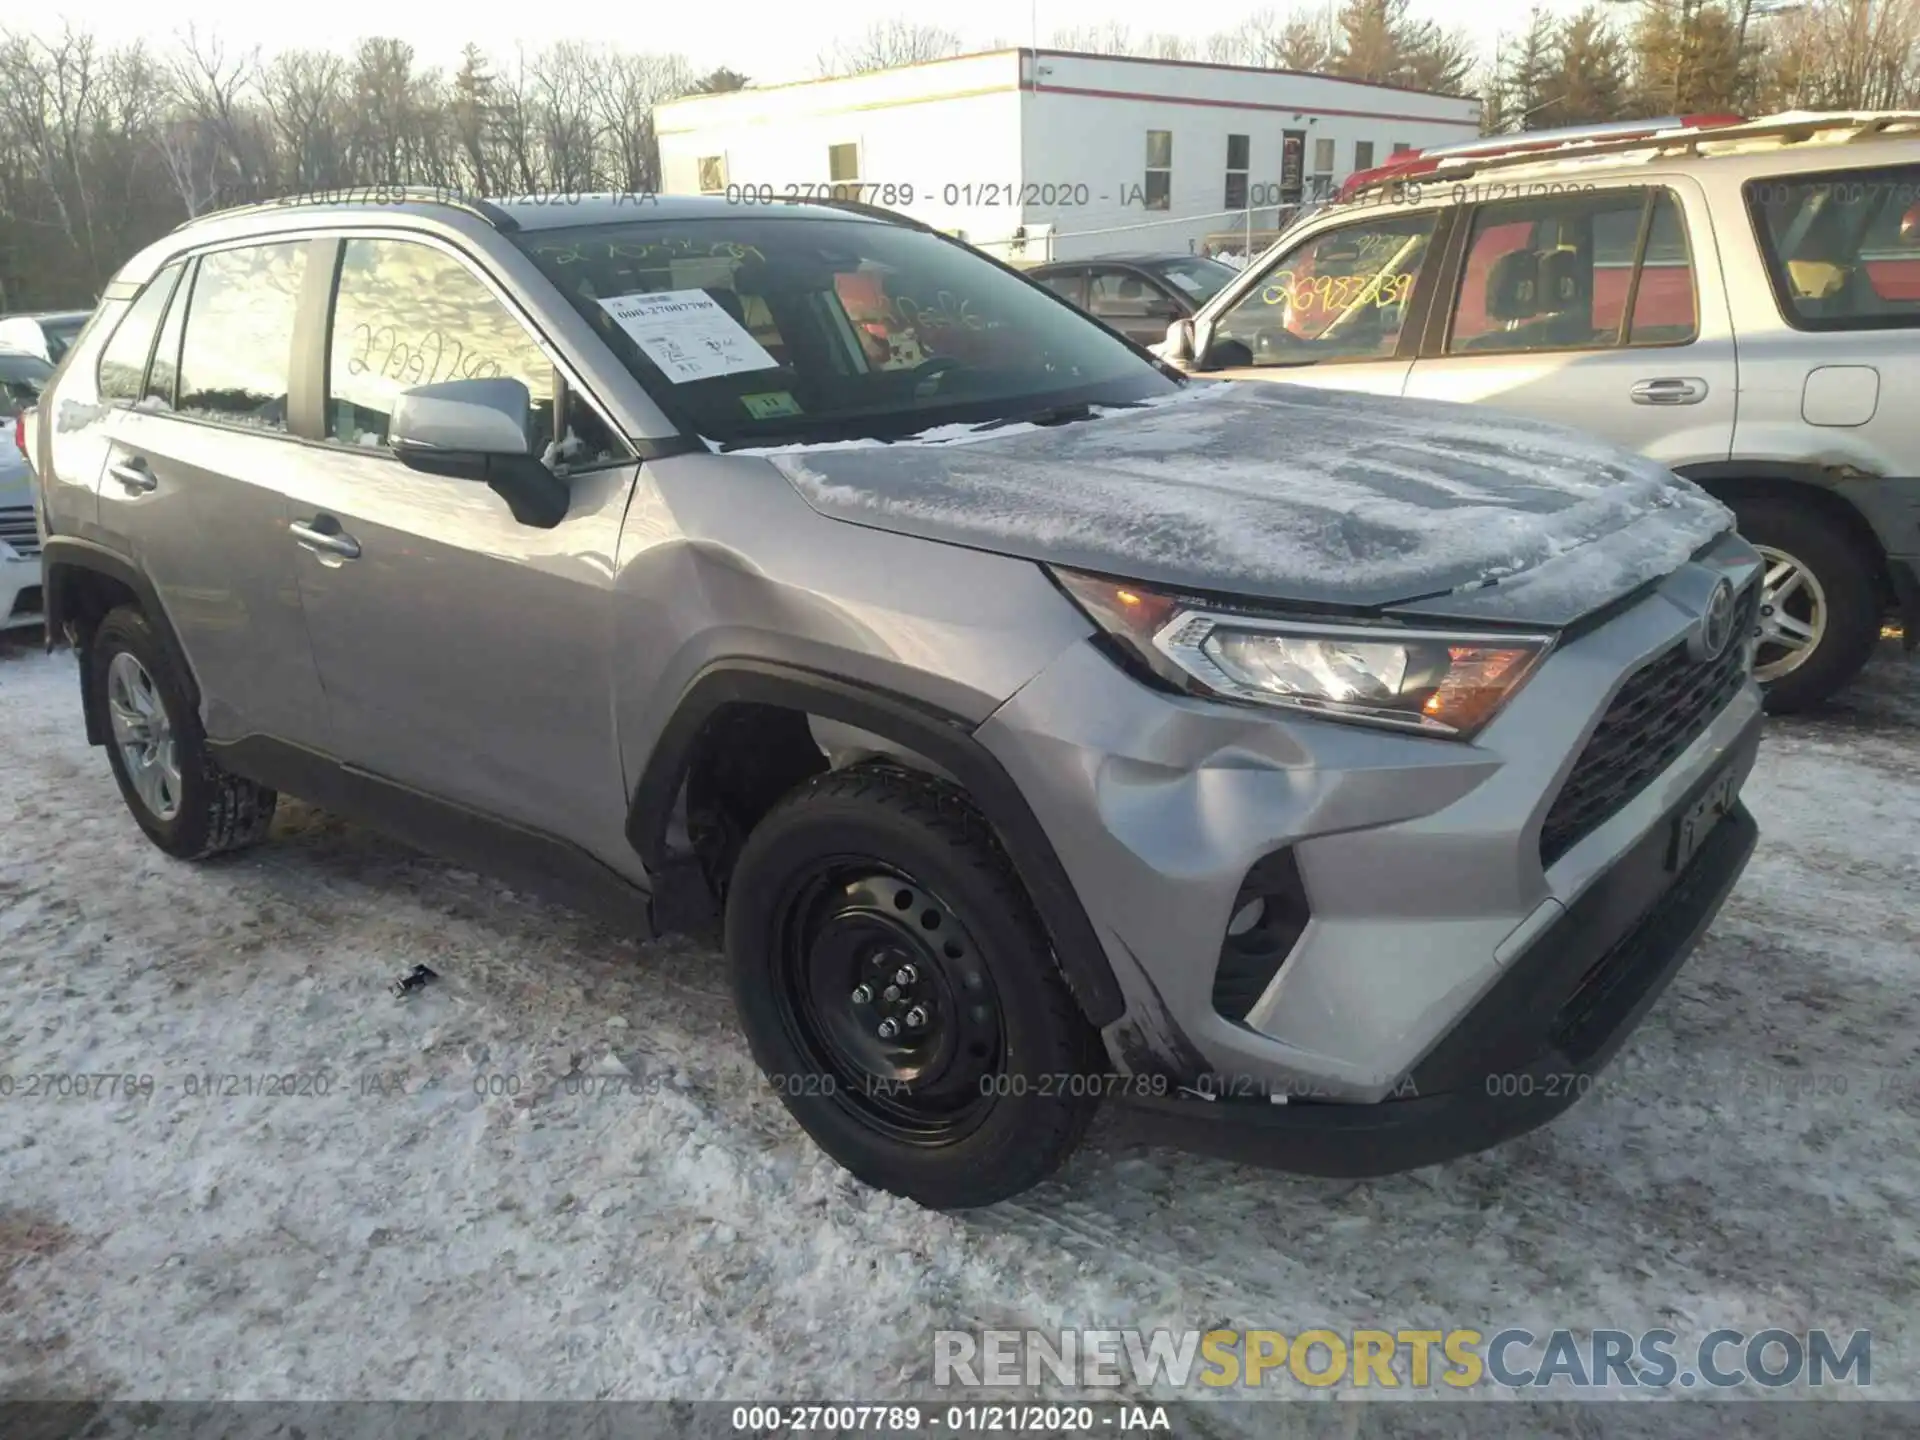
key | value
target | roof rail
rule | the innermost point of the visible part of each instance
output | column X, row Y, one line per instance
column 367, row 195
column 1787, row 128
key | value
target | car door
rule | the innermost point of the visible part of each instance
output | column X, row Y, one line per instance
column 463, row 654
column 191, row 483
column 1332, row 310
column 1132, row 303
column 1599, row 307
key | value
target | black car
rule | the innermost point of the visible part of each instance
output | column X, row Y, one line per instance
column 1138, row 295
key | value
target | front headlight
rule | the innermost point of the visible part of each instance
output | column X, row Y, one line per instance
column 1434, row 682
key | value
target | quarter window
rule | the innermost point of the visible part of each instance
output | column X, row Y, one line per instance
column 238, row 347
column 1340, row 296
column 1562, row 272
column 123, row 364
column 163, row 373
column 1842, row 247
column 407, row 314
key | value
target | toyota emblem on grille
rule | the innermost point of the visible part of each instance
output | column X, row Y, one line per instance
column 1716, row 625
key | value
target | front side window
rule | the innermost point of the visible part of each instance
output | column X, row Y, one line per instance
column 1341, row 295
column 407, row 314
column 782, row 328
column 1560, row 273
column 1159, row 181
column 1842, row 247
column 238, row 348
column 123, row 364
column 1069, row 285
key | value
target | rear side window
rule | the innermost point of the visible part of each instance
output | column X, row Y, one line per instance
column 123, row 364
column 1585, row 271
column 22, row 378
column 1842, row 247
column 238, row 347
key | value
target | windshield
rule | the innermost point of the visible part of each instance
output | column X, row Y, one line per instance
column 22, row 377
column 1199, row 278
column 775, row 330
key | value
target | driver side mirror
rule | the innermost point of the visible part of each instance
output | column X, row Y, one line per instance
column 477, row 430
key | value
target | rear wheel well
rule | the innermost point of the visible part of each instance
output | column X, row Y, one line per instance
column 1828, row 504
column 78, row 599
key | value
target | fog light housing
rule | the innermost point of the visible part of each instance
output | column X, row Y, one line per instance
column 1268, row 917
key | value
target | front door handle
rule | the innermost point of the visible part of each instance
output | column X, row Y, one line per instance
column 134, row 475
column 323, row 536
column 1670, row 392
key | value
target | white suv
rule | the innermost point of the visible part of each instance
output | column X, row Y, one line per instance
column 22, row 377
column 1737, row 300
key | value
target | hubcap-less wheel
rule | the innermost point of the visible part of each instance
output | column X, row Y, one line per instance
column 1793, row 615
column 143, row 732
column 883, row 987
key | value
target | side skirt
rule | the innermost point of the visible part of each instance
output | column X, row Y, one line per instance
column 523, row 857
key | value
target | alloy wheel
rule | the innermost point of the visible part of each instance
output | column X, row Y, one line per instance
column 143, row 734
column 1793, row 615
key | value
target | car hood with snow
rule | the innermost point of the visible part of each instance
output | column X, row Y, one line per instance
column 1285, row 493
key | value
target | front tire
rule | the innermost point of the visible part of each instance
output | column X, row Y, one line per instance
column 1820, row 616
column 181, row 798
column 898, row 990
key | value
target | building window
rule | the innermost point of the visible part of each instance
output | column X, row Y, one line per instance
column 1238, row 149
column 1159, row 169
column 713, row 174
column 1401, row 147
column 1322, row 169
column 1363, row 154
column 843, row 163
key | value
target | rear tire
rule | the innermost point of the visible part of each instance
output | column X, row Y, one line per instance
column 186, row 803
column 1830, row 592
column 869, row 898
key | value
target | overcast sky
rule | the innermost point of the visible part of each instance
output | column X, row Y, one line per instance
column 767, row 41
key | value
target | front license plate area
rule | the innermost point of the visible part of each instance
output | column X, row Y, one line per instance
column 1693, row 824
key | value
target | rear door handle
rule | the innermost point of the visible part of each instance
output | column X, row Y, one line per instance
column 133, row 475
column 1669, row 392
column 323, row 536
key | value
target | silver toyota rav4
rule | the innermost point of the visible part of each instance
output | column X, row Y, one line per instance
column 1337, row 781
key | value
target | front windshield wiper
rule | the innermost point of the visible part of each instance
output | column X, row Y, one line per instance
column 1056, row 414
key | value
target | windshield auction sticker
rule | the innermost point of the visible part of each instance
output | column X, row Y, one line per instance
column 687, row 334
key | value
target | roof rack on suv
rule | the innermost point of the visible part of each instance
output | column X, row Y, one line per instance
column 1546, row 146
column 329, row 197
column 1527, row 144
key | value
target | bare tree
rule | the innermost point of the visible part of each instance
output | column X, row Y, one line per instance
column 888, row 43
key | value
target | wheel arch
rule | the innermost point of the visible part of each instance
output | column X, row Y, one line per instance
column 727, row 690
column 82, row 582
column 1730, row 481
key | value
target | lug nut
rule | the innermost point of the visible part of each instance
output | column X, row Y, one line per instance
column 905, row 975
column 888, row 1029
column 916, row 1017
column 892, row 992
column 1766, row 609
column 863, row 994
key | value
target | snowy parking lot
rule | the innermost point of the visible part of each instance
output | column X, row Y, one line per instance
column 446, row 1206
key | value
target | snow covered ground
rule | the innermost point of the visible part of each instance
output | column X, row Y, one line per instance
column 404, row 1235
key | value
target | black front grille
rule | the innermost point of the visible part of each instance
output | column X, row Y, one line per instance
column 17, row 529
column 1660, row 711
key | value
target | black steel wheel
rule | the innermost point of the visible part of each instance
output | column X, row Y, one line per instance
column 900, row 994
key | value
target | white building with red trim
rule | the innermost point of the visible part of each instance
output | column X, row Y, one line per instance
column 1074, row 155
